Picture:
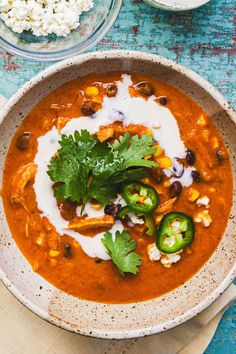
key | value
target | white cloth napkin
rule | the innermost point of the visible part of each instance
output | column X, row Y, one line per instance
column 22, row 332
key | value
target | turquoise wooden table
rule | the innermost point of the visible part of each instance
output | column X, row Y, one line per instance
column 203, row 40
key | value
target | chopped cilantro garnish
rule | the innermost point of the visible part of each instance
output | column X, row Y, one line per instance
column 121, row 251
column 85, row 168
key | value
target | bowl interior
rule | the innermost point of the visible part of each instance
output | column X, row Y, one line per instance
column 93, row 26
column 128, row 320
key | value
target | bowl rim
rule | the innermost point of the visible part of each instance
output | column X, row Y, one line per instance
column 84, row 46
column 160, row 4
column 122, row 54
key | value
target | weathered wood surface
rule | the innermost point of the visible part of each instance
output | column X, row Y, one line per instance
column 203, row 40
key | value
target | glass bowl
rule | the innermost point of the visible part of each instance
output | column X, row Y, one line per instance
column 93, row 27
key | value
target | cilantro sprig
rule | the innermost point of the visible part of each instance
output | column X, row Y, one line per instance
column 120, row 249
column 84, row 168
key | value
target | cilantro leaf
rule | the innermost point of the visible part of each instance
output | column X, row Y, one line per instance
column 102, row 193
column 128, row 175
column 69, row 170
column 84, row 168
column 121, row 251
column 134, row 153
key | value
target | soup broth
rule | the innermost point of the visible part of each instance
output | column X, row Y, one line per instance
column 192, row 175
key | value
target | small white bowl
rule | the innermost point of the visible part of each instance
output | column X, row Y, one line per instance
column 176, row 5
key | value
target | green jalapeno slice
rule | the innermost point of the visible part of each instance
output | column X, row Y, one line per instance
column 141, row 198
column 176, row 231
column 123, row 212
column 150, row 224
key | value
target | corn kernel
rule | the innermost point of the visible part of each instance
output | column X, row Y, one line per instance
column 214, row 142
column 54, row 253
column 164, row 162
column 96, row 206
column 159, row 151
column 147, row 157
column 166, row 184
column 202, row 121
column 193, row 195
column 91, row 91
column 148, row 132
column 39, row 241
column 168, row 265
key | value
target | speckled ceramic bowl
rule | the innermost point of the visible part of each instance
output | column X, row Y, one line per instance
column 130, row 320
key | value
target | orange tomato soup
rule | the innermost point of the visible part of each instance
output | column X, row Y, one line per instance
column 72, row 270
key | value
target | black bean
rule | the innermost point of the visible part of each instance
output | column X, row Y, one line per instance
column 112, row 209
column 88, row 108
column 190, row 157
column 163, row 101
column 156, row 174
column 220, row 156
column 98, row 260
column 23, row 141
column 112, row 90
column 196, row 176
column 145, row 88
column 175, row 189
column 68, row 251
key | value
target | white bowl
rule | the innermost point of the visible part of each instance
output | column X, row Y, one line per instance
column 176, row 5
column 122, row 320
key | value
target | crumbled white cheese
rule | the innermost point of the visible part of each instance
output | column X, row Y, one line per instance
column 170, row 241
column 135, row 219
column 204, row 218
column 43, row 17
column 164, row 258
column 153, row 252
column 168, row 259
column 203, row 201
column 4, row 5
column 175, row 225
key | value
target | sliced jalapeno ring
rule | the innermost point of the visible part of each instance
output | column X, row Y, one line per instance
column 176, row 231
column 151, row 226
column 141, row 198
column 123, row 212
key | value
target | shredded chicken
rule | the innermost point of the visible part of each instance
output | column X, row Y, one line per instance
column 61, row 122
column 86, row 225
column 105, row 133
column 166, row 206
column 60, row 107
column 24, row 175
